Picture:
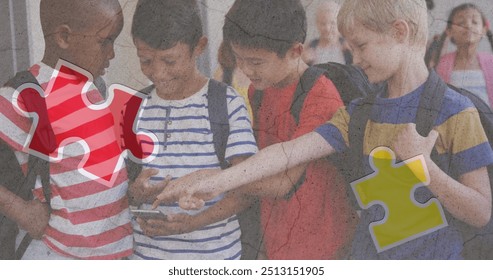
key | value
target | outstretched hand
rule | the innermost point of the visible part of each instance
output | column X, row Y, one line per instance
column 190, row 191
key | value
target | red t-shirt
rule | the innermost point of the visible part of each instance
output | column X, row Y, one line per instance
column 313, row 223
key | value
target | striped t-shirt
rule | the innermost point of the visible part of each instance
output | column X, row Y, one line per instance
column 185, row 145
column 462, row 147
column 89, row 220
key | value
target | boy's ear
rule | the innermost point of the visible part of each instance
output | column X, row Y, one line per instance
column 401, row 30
column 62, row 34
column 296, row 50
column 201, row 45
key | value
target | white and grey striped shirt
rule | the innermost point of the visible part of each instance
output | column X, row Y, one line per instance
column 185, row 145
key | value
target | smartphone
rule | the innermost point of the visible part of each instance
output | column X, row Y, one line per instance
column 148, row 214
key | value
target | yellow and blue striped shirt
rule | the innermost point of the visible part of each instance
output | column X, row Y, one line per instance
column 462, row 147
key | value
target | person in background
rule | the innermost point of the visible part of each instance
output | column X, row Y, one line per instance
column 467, row 67
column 229, row 73
column 329, row 46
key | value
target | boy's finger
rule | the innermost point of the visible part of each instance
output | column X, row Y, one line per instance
column 147, row 173
column 154, row 189
column 168, row 195
column 162, row 197
column 156, row 203
column 164, row 182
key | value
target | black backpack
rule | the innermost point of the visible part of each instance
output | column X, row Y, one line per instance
column 14, row 180
column 219, row 120
column 350, row 82
column 348, row 56
column 478, row 243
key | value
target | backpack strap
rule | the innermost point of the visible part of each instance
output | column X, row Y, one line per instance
column 21, row 78
column 350, row 81
column 219, row 119
column 430, row 103
column 228, row 76
column 35, row 166
column 39, row 167
column 147, row 90
column 429, row 106
column 356, row 134
column 306, row 83
column 10, row 179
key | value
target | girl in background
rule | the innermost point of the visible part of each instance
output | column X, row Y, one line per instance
column 466, row 67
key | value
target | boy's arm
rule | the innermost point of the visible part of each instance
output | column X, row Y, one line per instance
column 276, row 186
column 232, row 203
column 468, row 199
column 32, row 216
column 268, row 162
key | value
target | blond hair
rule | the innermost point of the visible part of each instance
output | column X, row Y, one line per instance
column 379, row 15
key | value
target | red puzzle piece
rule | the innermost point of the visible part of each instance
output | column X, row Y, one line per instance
column 65, row 115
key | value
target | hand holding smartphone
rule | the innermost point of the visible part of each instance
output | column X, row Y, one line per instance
column 148, row 214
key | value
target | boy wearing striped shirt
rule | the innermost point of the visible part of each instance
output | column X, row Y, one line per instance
column 89, row 219
column 168, row 37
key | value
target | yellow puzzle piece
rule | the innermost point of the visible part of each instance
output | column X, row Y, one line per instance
column 392, row 186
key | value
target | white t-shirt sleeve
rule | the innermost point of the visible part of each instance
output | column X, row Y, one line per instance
column 241, row 141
